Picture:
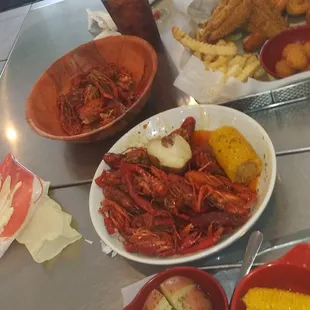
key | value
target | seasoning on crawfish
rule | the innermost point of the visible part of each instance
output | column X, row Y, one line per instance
column 96, row 98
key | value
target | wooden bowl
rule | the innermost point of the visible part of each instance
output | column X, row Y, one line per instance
column 272, row 50
column 131, row 52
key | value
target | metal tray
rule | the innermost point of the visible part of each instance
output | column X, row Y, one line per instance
column 274, row 98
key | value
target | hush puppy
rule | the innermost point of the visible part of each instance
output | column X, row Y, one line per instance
column 307, row 68
column 283, row 69
column 288, row 47
column 296, row 58
column 307, row 49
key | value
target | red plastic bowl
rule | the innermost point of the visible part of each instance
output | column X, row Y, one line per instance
column 205, row 281
column 271, row 52
column 291, row 272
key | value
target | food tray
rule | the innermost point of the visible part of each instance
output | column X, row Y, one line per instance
column 273, row 98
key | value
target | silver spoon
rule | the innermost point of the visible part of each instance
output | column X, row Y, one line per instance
column 254, row 244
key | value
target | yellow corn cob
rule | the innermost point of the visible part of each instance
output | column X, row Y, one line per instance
column 275, row 299
column 235, row 155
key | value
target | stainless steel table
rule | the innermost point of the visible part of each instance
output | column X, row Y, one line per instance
column 82, row 277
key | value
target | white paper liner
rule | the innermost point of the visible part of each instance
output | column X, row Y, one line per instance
column 206, row 87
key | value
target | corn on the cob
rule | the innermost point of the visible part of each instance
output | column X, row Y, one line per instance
column 235, row 155
column 275, row 299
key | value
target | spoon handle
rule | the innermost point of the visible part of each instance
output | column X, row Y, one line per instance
column 251, row 251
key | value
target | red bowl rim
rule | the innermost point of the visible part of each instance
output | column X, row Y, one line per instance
column 90, row 133
column 165, row 274
column 298, row 257
column 268, row 42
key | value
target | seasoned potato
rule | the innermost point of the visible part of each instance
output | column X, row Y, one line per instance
column 156, row 301
column 183, row 294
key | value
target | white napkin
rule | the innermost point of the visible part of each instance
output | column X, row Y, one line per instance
column 206, row 87
column 227, row 279
column 102, row 21
column 199, row 10
column 48, row 232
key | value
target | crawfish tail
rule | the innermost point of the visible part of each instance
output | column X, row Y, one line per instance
column 127, row 171
column 185, row 131
column 221, row 219
column 119, row 197
column 109, row 177
column 113, row 160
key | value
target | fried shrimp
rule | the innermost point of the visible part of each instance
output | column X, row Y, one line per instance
column 283, row 69
column 297, row 7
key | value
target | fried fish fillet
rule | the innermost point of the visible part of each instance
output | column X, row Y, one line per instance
column 228, row 16
column 266, row 19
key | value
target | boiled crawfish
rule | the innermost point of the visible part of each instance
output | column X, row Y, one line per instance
column 221, row 193
column 185, row 131
column 136, row 180
column 111, row 178
column 117, row 216
column 218, row 219
column 161, row 220
column 195, row 241
column 125, row 201
column 205, row 161
column 151, row 182
column 135, row 155
column 144, row 241
column 160, row 213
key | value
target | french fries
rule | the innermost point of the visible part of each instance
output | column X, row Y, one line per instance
column 234, row 71
column 219, row 62
column 248, row 71
column 222, row 57
column 238, row 60
column 201, row 47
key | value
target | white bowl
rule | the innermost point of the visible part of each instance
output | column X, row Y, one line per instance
column 207, row 117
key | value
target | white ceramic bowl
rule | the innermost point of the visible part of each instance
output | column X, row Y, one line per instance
column 207, row 117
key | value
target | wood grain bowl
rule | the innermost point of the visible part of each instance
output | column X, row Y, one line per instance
column 131, row 52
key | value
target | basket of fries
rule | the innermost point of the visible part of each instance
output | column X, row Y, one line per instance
column 224, row 50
